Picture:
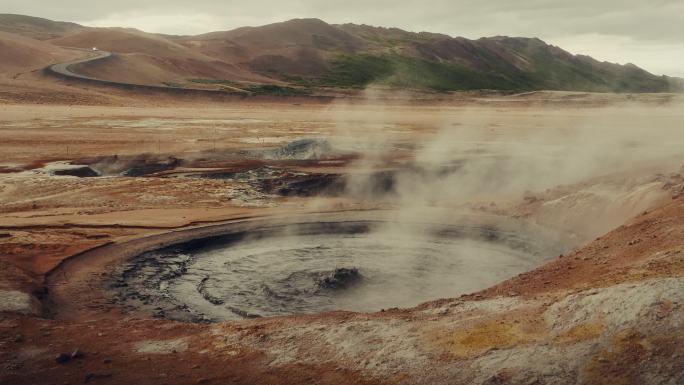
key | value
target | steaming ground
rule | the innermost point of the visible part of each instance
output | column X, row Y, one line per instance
column 606, row 181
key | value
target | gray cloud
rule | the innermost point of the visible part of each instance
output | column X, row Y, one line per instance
column 649, row 34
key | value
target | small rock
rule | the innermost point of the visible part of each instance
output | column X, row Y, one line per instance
column 62, row 358
column 18, row 338
column 107, row 360
column 91, row 376
column 77, row 353
column 203, row 381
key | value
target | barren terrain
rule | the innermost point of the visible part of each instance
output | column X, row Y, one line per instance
column 83, row 188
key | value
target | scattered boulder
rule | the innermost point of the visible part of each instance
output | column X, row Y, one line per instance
column 63, row 358
column 91, row 376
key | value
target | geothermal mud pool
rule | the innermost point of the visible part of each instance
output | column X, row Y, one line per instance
column 313, row 267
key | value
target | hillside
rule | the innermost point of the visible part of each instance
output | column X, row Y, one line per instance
column 312, row 54
column 124, row 40
column 147, row 58
column 22, row 54
column 36, row 27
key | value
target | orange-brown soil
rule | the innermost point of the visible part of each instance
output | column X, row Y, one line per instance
column 609, row 312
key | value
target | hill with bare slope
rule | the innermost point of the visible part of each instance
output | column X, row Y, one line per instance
column 22, row 54
column 36, row 27
column 295, row 47
column 124, row 40
column 146, row 58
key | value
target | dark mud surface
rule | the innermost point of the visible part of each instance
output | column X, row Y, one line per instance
column 355, row 266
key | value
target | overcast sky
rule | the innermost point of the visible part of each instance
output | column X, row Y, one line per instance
column 647, row 33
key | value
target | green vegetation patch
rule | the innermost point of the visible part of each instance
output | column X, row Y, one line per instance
column 547, row 69
column 358, row 71
column 552, row 71
column 215, row 81
column 272, row 89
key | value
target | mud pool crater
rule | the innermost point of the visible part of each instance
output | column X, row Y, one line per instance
column 365, row 265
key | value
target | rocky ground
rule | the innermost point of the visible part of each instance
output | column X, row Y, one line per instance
column 609, row 312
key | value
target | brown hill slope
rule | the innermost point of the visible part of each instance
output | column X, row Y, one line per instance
column 302, row 33
column 295, row 47
column 145, row 69
column 22, row 54
column 124, row 40
column 36, row 27
column 146, row 58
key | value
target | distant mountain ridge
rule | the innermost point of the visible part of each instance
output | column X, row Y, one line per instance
column 311, row 54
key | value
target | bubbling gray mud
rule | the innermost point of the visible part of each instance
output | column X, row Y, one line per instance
column 313, row 268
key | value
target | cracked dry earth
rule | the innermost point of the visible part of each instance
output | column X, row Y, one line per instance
column 610, row 312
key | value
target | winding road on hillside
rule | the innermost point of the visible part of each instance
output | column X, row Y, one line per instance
column 65, row 70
